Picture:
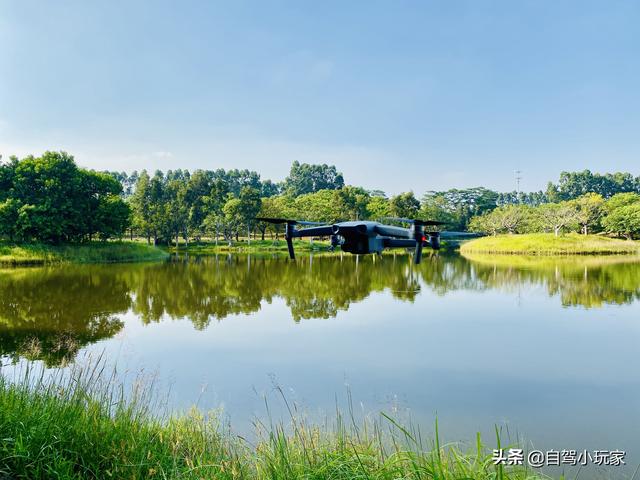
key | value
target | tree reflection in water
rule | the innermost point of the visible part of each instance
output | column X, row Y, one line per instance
column 51, row 313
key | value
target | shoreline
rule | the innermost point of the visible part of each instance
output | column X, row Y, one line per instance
column 542, row 245
column 36, row 254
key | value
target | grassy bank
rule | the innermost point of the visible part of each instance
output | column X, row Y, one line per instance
column 549, row 244
column 95, row 252
column 83, row 427
column 255, row 246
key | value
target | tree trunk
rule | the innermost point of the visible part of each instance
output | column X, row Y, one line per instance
column 585, row 230
column 556, row 230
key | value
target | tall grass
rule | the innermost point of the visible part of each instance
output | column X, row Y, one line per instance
column 84, row 425
column 549, row 244
column 94, row 252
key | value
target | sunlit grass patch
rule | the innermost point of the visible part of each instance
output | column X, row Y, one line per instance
column 549, row 244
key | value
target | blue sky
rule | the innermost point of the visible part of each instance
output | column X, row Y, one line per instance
column 398, row 95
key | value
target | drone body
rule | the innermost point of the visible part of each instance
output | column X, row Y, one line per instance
column 363, row 237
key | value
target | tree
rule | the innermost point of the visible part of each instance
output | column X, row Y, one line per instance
column 141, row 206
column 621, row 200
column 9, row 211
column 622, row 215
column 589, row 211
column 112, row 217
column 50, row 199
column 233, row 217
column 354, row 201
column 558, row 216
column 461, row 205
column 506, row 219
column 404, row 205
column 157, row 207
column 624, row 221
column 436, row 208
column 378, row 207
column 306, row 178
column 251, row 203
column 575, row 184
column 321, row 206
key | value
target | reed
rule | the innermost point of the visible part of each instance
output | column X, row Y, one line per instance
column 83, row 424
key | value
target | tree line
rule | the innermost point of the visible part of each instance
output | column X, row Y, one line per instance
column 50, row 199
column 588, row 213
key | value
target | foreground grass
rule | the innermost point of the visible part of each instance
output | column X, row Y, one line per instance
column 549, row 244
column 84, row 428
column 94, row 252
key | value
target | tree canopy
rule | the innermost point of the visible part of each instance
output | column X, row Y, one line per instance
column 50, row 199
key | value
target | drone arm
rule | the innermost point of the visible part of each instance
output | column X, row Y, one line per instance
column 323, row 231
column 391, row 231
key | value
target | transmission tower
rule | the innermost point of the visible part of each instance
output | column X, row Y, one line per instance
column 518, row 174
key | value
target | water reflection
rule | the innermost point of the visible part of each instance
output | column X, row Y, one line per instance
column 589, row 282
column 51, row 313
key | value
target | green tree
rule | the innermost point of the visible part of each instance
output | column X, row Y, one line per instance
column 624, row 221
column 306, row 178
column 378, row 207
column 251, row 203
column 404, row 205
column 506, row 219
column 622, row 215
column 141, row 206
column 50, row 199
column 354, row 201
column 557, row 216
column 9, row 212
column 112, row 217
column 589, row 211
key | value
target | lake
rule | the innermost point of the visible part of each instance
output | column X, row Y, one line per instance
column 544, row 348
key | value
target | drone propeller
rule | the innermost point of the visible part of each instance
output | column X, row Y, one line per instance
column 415, row 221
column 287, row 221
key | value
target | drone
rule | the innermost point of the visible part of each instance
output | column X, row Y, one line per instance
column 364, row 237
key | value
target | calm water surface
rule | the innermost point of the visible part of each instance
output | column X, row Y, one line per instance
column 546, row 348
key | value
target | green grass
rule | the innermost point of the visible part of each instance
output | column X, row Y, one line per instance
column 548, row 244
column 94, row 252
column 83, row 426
column 256, row 246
